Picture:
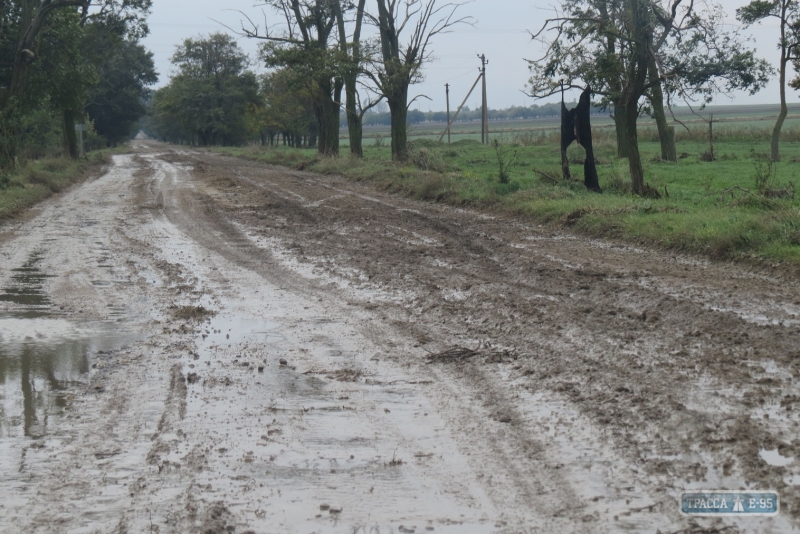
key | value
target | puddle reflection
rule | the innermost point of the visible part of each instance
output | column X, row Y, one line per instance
column 40, row 362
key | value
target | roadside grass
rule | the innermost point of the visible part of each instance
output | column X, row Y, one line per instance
column 37, row 180
column 713, row 208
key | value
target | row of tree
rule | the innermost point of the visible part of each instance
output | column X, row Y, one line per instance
column 319, row 62
column 638, row 56
column 62, row 61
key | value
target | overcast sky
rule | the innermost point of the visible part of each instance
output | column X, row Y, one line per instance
column 499, row 31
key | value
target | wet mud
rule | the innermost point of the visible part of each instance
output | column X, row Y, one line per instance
column 193, row 343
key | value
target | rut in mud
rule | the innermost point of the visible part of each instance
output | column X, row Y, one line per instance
column 292, row 352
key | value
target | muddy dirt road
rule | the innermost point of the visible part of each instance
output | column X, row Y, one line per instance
column 192, row 343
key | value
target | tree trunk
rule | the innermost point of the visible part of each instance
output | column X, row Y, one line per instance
column 776, row 132
column 327, row 114
column 666, row 133
column 355, row 127
column 398, row 108
column 632, row 140
column 567, row 136
column 70, row 139
column 620, row 125
column 354, row 119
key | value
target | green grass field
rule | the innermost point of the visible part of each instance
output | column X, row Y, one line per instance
column 712, row 208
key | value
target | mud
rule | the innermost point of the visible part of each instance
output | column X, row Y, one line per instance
column 194, row 343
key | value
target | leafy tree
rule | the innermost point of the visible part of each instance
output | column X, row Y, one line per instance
column 287, row 109
column 116, row 103
column 45, row 63
column 630, row 49
column 213, row 97
column 305, row 45
column 787, row 12
column 399, row 64
column 125, row 68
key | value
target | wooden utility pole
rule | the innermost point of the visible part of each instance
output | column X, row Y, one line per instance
column 447, row 90
column 450, row 123
column 484, row 109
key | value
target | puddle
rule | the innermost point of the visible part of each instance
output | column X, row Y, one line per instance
column 25, row 289
column 774, row 458
column 41, row 361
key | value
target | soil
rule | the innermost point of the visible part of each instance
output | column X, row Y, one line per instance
column 196, row 343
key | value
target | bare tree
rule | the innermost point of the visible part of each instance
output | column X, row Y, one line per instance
column 399, row 63
column 352, row 67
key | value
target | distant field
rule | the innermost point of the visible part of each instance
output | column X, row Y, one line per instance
column 758, row 117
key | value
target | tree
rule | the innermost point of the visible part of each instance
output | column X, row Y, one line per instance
column 116, row 103
column 399, row 64
column 630, row 49
column 304, row 45
column 287, row 109
column 45, row 63
column 213, row 97
column 787, row 12
column 353, row 59
column 124, row 67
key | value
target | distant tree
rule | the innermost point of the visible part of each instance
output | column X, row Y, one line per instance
column 116, row 103
column 125, row 68
column 287, row 108
column 213, row 97
column 787, row 13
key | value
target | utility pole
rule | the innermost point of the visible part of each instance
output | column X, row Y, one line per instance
column 485, row 110
column 447, row 89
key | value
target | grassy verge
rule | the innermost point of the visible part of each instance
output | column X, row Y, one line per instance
column 37, row 180
column 717, row 208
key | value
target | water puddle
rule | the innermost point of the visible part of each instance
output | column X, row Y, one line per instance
column 774, row 458
column 41, row 362
column 43, row 356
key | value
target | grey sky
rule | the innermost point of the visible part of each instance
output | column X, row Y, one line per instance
column 500, row 32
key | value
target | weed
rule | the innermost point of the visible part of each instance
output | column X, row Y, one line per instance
column 503, row 161
column 428, row 160
column 380, row 140
column 765, row 171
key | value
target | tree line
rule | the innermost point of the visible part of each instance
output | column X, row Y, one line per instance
column 534, row 111
column 637, row 56
column 320, row 67
column 64, row 62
